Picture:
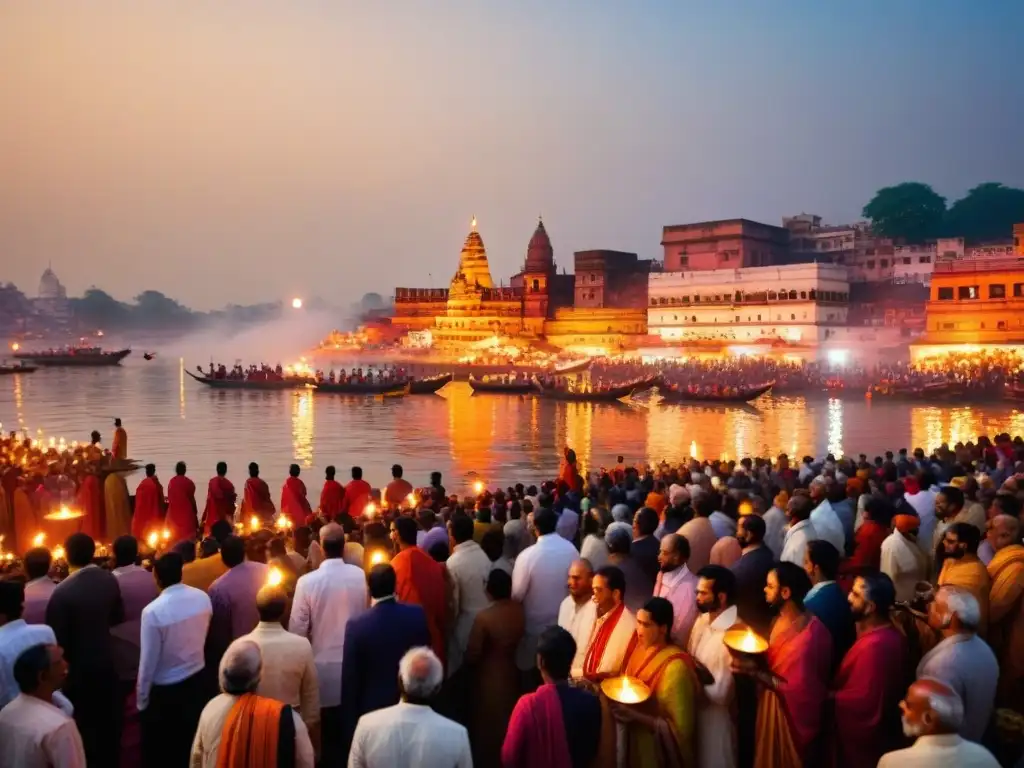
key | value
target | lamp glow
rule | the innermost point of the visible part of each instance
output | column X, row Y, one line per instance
column 370, row 510
column 59, row 553
column 410, row 500
column 165, row 534
column 254, row 523
column 38, row 539
column 275, row 577
column 296, row 303
column 478, row 487
column 153, row 540
column 378, row 557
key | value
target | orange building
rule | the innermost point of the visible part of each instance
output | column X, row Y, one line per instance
column 974, row 304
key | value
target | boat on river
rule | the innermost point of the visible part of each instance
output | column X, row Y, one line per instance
column 387, row 388
column 576, row 367
column 429, row 385
column 514, row 387
column 608, row 395
column 73, row 357
column 745, row 395
column 289, row 382
column 9, row 370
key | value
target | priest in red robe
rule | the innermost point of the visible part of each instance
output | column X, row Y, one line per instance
column 294, row 503
column 182, row 513
column 256, row 499
column 871, row 679
column 332, row 496
column 220, row 498
column 90, row 503
column 149, row 505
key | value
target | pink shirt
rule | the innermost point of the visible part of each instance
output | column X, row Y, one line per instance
column 679, row 587
column 37, row 595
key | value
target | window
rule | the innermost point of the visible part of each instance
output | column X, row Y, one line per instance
column 1018, row 290
column 792, row 317
column 803, row 294
column 997, row 291
column 1001, row 325
column 536, row 285
column 684, row 260
column 759, row 318
column 924, row 259
column 906, row 259
column 593, row 278
column 945, row 294
column 870, row 252
column 947, row 326
column 884, row 263
column 693, row 319
column 967, row 292
column 792, row 295
column 871, row 264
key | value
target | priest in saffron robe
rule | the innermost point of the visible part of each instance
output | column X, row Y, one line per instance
column 182, row 512
column 420, row 580
column 220, row 499
column 795, row 685
column 613, row 631
column 90, row 502
column 294, row 503
column 963, row 569
column 1006, row 607
column 568, row 472
column 332, row 496
column 119, row 450
column 117, row 506
column 871, row 679
column 557, row 725
column 660, row 732
column 256, row 499
column 149, row 505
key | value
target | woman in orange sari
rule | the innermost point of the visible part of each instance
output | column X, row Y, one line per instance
column 660, row 732
column 795, row 685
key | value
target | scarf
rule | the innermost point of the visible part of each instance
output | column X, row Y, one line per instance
column 258, row 733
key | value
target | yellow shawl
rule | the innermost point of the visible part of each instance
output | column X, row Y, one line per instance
column 970, row 574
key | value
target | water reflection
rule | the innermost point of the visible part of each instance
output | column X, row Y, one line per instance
column 835, row 427
column 302, row 427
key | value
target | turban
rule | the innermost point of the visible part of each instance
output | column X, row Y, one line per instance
column 855, row 484
column 906, row 523
column 864, row 473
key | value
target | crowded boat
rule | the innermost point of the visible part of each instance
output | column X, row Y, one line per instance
column 771, row 611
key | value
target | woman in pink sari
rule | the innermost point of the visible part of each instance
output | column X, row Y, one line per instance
column 795, row 685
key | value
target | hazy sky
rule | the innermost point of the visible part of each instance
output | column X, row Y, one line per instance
column 247, row 150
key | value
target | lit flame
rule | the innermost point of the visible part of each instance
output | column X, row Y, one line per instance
column 275, row 577
column 410, row 500
column 296, row 303
column 15, row 346
column 628, row 693
column 370, row 510
column 378, row 557
column 152, row 540
column 38, row 539
column 478, row 487
column 165, row 534
column 254, row 523
column 58, row 553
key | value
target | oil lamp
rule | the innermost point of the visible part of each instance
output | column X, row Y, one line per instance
column 745, row 643
column 626, row 690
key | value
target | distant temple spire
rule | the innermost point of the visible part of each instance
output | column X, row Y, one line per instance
column 473, row 266
column 472, row 224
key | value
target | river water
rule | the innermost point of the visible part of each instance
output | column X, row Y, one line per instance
column 498, row 439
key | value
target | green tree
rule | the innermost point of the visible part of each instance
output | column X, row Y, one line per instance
column 911, row 210
column 98, row 309
column 987, row 212
column 153, row 308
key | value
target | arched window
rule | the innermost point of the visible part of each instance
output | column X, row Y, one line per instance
column 803, row 294
column 693, row 319
column 792, row 295
column 814, row 295
column 536, row 285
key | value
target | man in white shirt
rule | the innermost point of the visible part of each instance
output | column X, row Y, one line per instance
column 902, row 559
column 677, row 585
column 539, row 583
column 613, row 629
column 17, row 636
column 775, row 529
column 171, row 685
column 289, row 671
column 934, row 713
column 577, row 612
column 411, row 733
column 468, row 567
column 324, row 602
column 716, row 587
column 800, row 530
column 34, row 733
column 826, row 522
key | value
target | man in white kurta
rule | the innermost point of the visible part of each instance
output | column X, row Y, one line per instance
column 469, row 567
column 612, row 630
column 716, row 747
column 577, row 613
column 902, row 559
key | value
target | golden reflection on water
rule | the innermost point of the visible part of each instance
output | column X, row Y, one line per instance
column 835, row 427
column 302, row 427
column 181, row 387
column 931, row 426
column 18, row 402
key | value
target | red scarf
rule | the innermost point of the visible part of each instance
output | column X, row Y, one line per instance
column 592, row 661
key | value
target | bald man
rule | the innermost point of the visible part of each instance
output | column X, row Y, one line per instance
column 933, row 713
column 1006, row 612
column 578, row 612
column 678, row 585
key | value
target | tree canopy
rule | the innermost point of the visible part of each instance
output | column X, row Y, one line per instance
column 911, row 210
column 987, row 212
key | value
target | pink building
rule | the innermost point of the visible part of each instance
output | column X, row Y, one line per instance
column 729, row 244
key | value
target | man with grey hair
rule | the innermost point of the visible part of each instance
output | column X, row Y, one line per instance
column 410, row 732
column 962, row 660
column 933, row 713
column 221, row 724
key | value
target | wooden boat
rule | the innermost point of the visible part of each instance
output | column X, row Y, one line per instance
column 741, row 396
column 579, row 365
column 429, row 385
column 649, row 383
column 74, row 357
column 255, row 384
column 601, row 396
column 386, row 388
column 7, row 370
column 517, row 387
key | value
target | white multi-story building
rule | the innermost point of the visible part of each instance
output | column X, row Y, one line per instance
column 800, row 304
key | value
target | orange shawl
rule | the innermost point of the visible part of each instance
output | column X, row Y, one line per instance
column 251, row 735
column 970, row 574
column 1006, row 618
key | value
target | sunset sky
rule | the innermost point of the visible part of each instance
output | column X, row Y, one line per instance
column 259, row 149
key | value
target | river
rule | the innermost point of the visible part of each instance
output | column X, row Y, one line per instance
column 497, row 439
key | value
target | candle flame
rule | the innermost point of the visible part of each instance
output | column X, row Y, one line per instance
column 58, row 553
column 378, row 557
column 370, row 510
column 628, row 694
column 38, row 539
column 152, row 540
column 165, row 534
column 411, row 500
column 254, row 523
column 275, row 577
column 478, row 487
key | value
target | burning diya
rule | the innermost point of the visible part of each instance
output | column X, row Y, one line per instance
column 626, row 690
column 64, row 513
column 745, row 642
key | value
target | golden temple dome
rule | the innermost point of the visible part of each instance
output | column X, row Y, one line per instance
column 473, row 266
column 540, row 256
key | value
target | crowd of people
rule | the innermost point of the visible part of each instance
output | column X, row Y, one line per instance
column 843, row 611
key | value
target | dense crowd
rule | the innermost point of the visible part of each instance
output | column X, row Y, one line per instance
column 846, row 611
